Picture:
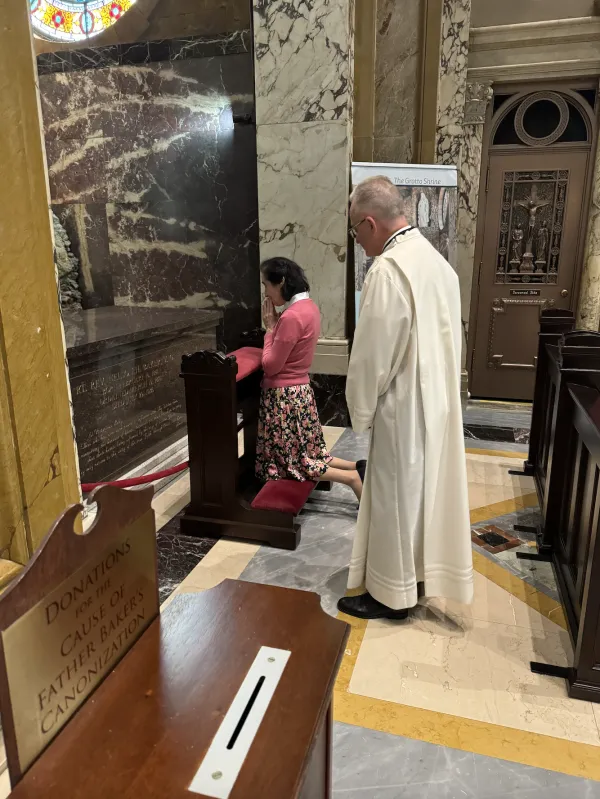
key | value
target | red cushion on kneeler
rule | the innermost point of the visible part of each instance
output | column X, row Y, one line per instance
column 288, row 496
column 249, row 359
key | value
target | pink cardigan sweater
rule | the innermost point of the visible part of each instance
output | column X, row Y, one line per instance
column 290, row 347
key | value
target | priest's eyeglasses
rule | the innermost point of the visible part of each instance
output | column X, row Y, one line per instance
column 353, row 230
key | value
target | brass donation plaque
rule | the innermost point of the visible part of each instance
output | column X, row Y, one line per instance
column 60, row 650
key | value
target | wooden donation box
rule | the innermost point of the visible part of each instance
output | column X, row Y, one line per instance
column 226, row 693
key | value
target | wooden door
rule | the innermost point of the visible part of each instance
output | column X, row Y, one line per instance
column 529, row 258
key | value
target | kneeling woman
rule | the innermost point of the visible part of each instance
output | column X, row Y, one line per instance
column 290, row 441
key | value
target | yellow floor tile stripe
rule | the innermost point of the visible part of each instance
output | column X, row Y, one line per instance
column 497, row 453
column 531, row 749
column 520, row 589
column 487, row 512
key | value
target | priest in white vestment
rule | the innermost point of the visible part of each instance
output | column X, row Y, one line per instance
column 413, row 535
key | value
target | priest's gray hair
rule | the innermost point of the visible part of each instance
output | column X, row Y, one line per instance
column 379, row 198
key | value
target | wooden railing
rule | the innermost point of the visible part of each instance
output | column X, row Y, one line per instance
column 576, row 546
column 569, row 357
column 553, row 323
column 564, row 460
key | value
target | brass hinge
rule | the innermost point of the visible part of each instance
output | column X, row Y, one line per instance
column 487, row 179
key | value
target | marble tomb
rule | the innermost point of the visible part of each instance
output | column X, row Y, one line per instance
column 128, row 398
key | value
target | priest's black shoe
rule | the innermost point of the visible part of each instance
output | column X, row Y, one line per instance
column 365, row 607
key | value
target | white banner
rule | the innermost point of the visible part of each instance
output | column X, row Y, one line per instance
column 430, row 203
column 407, row 174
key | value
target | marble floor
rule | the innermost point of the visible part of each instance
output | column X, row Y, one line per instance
column 369, row 764
column 443, row 705
column 505, row 422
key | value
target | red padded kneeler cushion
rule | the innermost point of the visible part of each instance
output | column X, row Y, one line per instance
column 288, row 496
column 249, row 359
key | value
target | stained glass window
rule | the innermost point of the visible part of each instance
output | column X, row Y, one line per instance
column 76, row 20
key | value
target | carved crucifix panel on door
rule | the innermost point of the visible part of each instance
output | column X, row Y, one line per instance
column 531, row 227
column 530, row 241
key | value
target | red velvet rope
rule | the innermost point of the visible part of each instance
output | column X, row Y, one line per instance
column 136, row 481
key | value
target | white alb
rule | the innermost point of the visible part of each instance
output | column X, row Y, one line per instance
column 404, row 386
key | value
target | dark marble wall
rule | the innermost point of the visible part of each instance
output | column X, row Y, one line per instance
column 192, row 17
column 151, row 177
column 330, row 395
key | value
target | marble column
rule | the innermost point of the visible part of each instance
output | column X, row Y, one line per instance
column 450, row 116
column 303, row 83
column 588, row 311
column 38, row 465
column 452, row 80
column 478, row 96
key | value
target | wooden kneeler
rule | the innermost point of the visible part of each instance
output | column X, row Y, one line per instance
column 224, row 496
column 225, row 694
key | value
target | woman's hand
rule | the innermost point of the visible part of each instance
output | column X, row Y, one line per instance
column 269, row 314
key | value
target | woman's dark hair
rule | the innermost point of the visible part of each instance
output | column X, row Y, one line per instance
column 280, row 271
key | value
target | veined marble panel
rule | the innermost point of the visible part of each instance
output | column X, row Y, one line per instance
column 330, row 395
column 557, row 49
column 303, row 60
column 477, row 98
column 303, row 174
column 394, row 149
column 146, row 52
column 153, row 147
column 452, row 80
column 165, row 255
column 397, row 70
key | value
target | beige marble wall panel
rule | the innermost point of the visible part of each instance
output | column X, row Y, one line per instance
column 452, row 84
column 31, row 344
column 397, row 73
column 534, row 51
column 486, row 13
column 304, row 105
column 395, row 149
column 303, row 197
column 363, row 148
column 588, row 312
column 364, row 70
column 477, row 99
column 302, row 56
column 428, row 110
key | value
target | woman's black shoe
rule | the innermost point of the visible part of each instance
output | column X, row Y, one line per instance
column 361, row 468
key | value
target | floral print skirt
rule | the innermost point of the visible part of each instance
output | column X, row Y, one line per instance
column 290, row 443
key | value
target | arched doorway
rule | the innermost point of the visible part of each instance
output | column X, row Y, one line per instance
column 531, row 229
